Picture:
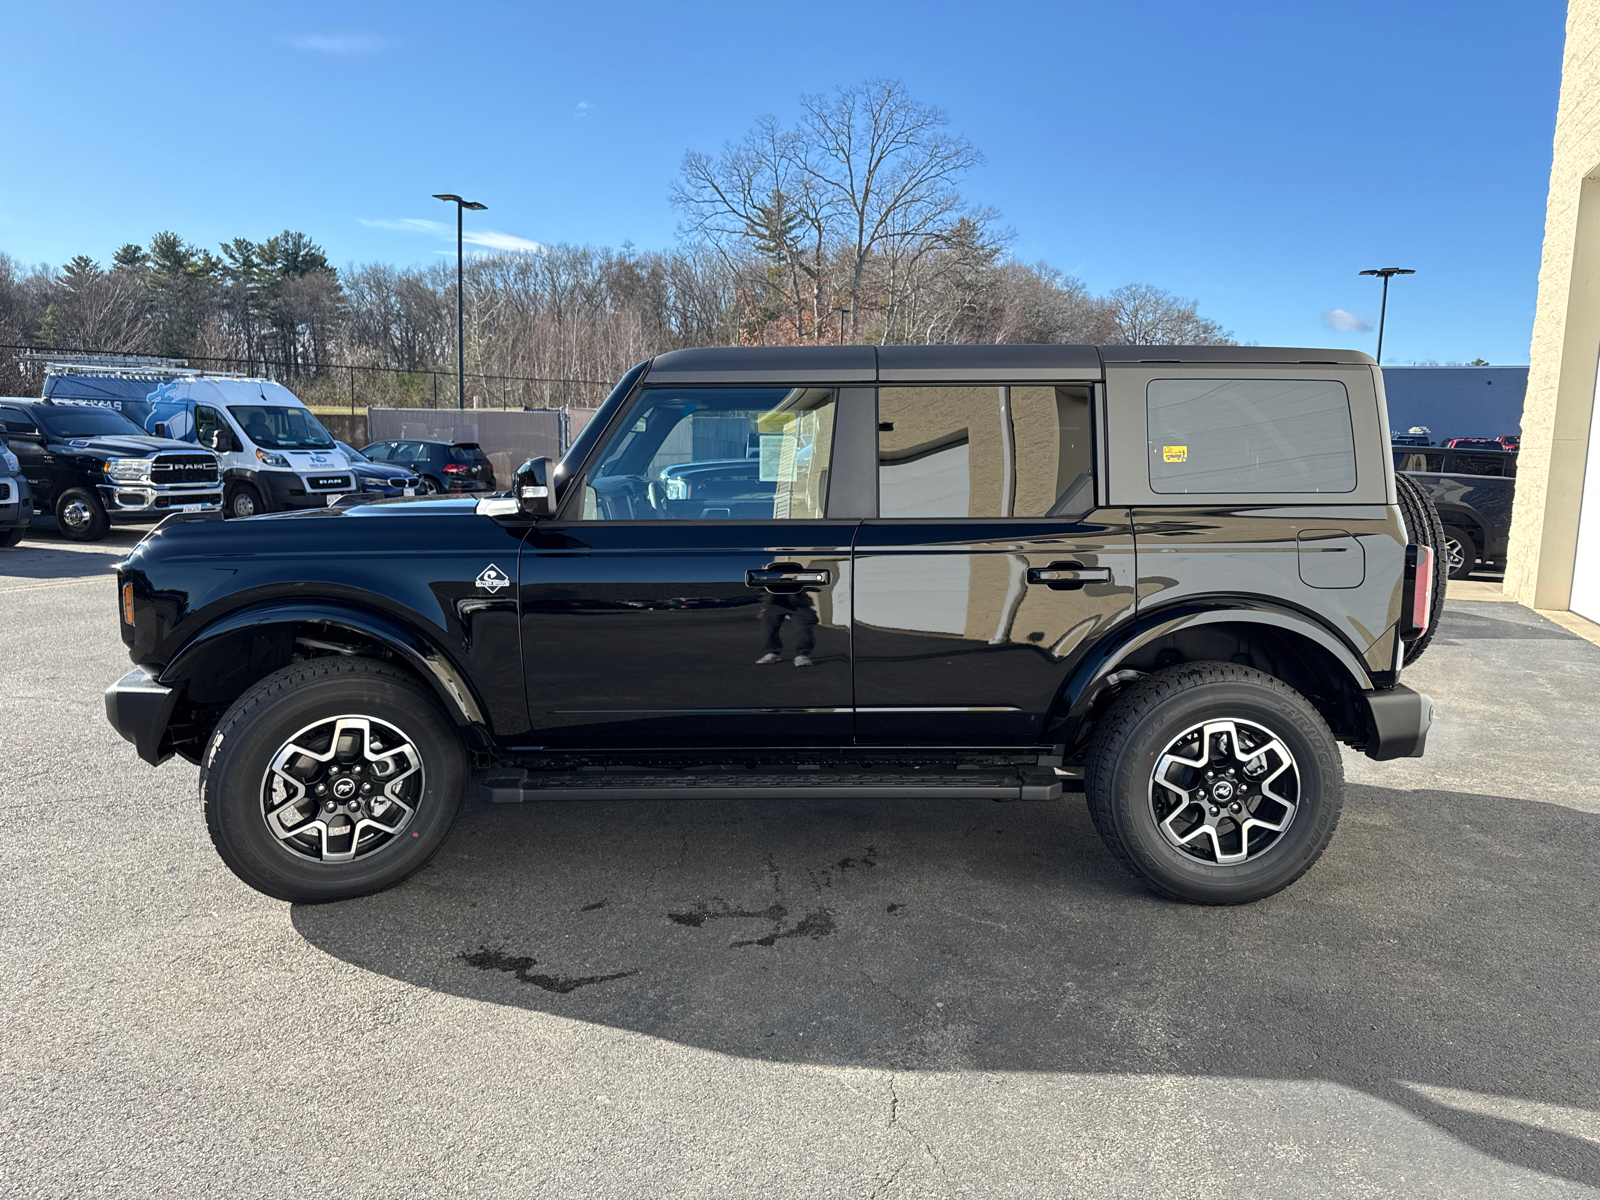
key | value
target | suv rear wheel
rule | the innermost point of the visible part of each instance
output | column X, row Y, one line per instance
column 1215, row 783
column 331, row 779
column 1460, row 552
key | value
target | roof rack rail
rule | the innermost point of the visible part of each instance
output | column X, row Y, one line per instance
column 117, row 364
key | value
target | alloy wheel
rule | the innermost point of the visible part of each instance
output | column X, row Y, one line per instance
column 341, row 789
column 1224, row 791
column 76, row 516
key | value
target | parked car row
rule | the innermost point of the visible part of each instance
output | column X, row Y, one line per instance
column 112, row 444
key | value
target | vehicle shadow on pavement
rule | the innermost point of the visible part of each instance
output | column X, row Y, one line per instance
column 47, row 556
column 1445, row 942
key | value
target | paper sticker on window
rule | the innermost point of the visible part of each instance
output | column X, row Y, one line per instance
column 778, row 457
column 1174, row 454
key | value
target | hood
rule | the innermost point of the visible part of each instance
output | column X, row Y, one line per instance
column 129, row 445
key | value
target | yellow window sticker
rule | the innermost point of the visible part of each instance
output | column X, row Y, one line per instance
column 1174, row 454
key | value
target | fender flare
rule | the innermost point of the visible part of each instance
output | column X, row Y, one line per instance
column 412, row 648
column 1093, row 674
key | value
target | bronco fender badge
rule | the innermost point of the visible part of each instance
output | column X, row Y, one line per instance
column 493, row 579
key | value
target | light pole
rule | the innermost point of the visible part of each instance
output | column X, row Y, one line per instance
column 842, row 314
column 461, row 360
column 1387, row 273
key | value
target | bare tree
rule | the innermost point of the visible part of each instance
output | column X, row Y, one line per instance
column 1142, row 315
column 885, row 169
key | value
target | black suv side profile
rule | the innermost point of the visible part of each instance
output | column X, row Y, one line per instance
column 1177, row 578
column 442, row 466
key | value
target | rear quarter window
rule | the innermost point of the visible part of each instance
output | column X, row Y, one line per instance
column 1227, row 436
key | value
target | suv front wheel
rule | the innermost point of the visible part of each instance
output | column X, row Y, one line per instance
column 1215, row 783
column 331, row 779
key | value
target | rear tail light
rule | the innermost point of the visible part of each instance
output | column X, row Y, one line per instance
column 1418, row 592
column 456, row 469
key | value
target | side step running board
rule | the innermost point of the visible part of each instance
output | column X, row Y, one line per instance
column 514, row 786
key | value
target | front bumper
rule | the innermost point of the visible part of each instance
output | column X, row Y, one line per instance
column 137, row 499
column 16, row 503
column 140, row 709
column 1398, row 720
column 288, row 490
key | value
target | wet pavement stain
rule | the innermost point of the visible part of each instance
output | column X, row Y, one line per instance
column 814, row 925
column 486, row 959
column 697, row 917
column 869, row 859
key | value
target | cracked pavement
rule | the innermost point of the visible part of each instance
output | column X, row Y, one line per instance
column 829, row 998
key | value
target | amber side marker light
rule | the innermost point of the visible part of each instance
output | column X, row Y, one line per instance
column 127, row 603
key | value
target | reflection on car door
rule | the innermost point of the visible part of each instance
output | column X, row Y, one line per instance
column 972, row 602
column 646, row 613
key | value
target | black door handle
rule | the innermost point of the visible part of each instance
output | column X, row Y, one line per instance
column 1068, row 576
column 794, row 577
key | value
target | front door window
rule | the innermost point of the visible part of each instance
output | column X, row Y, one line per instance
column 699, row 454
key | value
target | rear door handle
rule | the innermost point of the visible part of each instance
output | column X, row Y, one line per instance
column 1063, row 576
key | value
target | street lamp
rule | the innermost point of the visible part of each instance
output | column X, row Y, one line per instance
column 1386, row 272
column 461, row 361
column 843, row 312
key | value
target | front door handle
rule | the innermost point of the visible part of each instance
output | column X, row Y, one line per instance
column 1068, row 575
column 785, row 577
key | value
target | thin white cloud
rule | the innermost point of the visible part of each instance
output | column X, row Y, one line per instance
column 489, row 239
column 584, row 109
column 345, row 44
column 405, row 225
column 1343, row 321
column 492, row 240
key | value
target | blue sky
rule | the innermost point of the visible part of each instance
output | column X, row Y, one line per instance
column 1254, row 156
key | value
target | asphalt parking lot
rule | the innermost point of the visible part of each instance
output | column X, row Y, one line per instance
column 851, row 999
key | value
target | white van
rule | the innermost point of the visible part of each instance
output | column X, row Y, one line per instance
column 275, row 455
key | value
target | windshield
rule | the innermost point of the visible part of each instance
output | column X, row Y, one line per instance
column 281, row 427
column 73, row 421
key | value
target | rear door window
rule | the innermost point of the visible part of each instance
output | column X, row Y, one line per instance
column 1418, row 461
column 954, row 452
column 1234, row 436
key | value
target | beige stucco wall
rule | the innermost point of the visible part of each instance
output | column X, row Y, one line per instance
column 1566, row 335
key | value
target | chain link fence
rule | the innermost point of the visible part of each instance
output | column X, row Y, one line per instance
column 351, row 386
column 508, row 437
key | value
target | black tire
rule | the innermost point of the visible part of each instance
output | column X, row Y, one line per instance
column 1151, row 718
column 244, row 500
column 1460, row 552
column 80, row 516
column 235, row 782
column 431, row 486
column 13, row 536
column 1424, row 528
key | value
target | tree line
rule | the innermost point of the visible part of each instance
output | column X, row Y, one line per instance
column 849, row 225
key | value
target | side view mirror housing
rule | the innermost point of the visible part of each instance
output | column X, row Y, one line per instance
column 533, row 487
column 221, row 441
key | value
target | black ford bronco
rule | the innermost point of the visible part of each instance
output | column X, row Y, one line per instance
column 1176, row 578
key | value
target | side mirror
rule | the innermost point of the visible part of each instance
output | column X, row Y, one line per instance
column 533, row 487
column 160, row 429
column 221, row 441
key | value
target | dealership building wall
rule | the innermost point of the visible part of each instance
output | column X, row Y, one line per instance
column 1554, row 558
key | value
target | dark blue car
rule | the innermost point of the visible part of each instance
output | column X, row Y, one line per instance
column 383, row 478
